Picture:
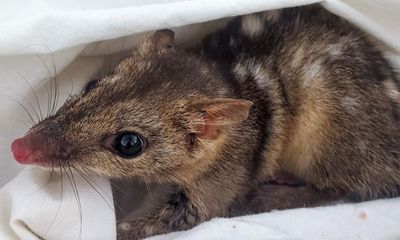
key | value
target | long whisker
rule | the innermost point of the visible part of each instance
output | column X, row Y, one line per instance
column 87, row 175
column 26, row 47
column 72, row 89
column 48, row 101
column 86, row 178
column 124, row 38
column 176, row 177
column 56, row 83
column 109, row 57
column 44, row 186
column 115, row 186
column 24, row 123
column 28, row 102
column 100, row 72
column 61, row 200
column 149, row 192
column 77, row 198
column 31, row 119
column 49, row 92
column 34, row 93
column 52, row 102
column 56, row 93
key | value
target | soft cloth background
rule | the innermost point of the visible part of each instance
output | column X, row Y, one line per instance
column 81, row 35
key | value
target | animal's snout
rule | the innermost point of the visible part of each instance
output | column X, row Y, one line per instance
column 24, row 151
column 20, row 151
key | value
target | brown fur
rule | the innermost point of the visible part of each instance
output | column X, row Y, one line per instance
column 325, row 109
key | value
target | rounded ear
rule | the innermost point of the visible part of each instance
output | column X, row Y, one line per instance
column 163, row 38
column 208, row 118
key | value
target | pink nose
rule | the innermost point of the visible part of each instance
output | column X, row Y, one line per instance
column 21, row 151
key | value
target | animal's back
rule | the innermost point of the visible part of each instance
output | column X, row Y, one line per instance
column 334, row 99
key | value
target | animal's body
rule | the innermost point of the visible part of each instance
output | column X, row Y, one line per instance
column 296, row 91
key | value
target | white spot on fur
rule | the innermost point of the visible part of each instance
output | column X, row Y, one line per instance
column 338, row 48
column 112, row 79
column 362, row 146
column 350, row 104
column 166, row 85
column 240, row 71
column 260, row 76
column 272, row 16
column 391, row 90
column 143, row 66
column 124, row 226
column 232, row 42
column 204, row 70
column 149, row 229
column 298, row 57
column 222, row 92
column 311, row 73
column 251, row 25
column 335, row 49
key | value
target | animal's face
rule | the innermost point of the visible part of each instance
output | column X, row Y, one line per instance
column 160, row 116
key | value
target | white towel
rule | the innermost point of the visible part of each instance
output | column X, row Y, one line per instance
column 79, row 34
column 367, row 221
column 31, row 204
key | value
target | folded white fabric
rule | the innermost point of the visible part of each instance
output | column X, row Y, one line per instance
column 78, row 34
column 368, row 221
column 35, row 204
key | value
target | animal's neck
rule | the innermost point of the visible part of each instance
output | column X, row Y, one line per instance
column 215, row 190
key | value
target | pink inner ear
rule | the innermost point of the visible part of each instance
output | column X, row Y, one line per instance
column 209, row 131
column 228, row 111
column 219, row 113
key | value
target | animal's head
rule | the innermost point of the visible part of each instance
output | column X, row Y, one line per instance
column 161, row 116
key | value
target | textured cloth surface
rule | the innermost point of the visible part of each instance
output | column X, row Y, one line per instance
column 368, row 220
column 79, row 34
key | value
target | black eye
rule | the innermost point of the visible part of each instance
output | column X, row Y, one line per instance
column 128, row 144
column 91, row 85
